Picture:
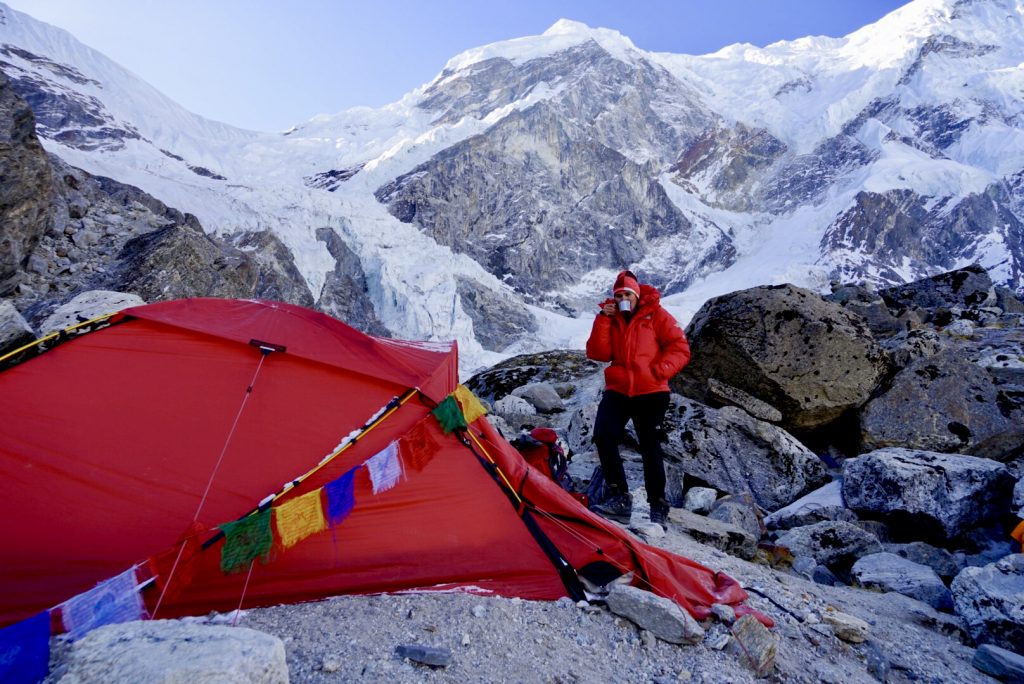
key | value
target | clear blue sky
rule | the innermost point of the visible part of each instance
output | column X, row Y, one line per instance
column 269, row 64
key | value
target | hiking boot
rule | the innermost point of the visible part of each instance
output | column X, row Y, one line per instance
column 617, row 508
column 659, row 513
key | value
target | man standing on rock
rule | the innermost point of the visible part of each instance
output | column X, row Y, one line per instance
column 646, row 347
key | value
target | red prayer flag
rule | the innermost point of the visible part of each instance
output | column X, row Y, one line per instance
column 418, row 445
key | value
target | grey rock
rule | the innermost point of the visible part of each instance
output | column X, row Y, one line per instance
column 580, row 431
column 553, row 367
column 15, row 331
column 990, row 600
column 542, row 396
column 740, row 511
column 847, row 627
column 1004, row 665
column 910, row 345
column 172, row 652
column 725, row 613
column 1008, row 301
column 660, row 616
column 786, row 346
column 922, row 614
column 87, row 306
column 835, row 544
column 425, row 655
column 733, row 540
column 939, row 560
column 824, row 503
column 965, row 287
column 889, row 572
column 960, row 328
column 699, row 499
column 734, row 452
column 940, row 403
column 822, row 575
column 722, row 393
column 804, row 565
column 877, row 661
column 755, row 644
column 1018, row 498
column 279, row 279
column 937, row 496
column 513, row 409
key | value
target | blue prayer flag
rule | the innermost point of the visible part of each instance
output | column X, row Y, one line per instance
column 114, row 600
column 341, row 497
column 25, row 650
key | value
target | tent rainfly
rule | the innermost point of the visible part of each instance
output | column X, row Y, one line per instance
column 137, row 444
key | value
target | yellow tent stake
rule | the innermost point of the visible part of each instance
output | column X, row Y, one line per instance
column 53, row 335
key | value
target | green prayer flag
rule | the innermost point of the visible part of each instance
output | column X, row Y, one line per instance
column 449, row 415
column 245, row 540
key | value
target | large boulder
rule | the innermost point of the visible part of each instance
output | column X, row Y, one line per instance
column 87, row 306
column 734, row 452
column 835, row 544
column 928, row 494
column 990, row 599
column 552, row 366
column 786, row 346
column 940, row 403
column 970, row 286
column 172, row 652
column 889, row 572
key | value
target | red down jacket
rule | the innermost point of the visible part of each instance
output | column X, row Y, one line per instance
column 645, row 351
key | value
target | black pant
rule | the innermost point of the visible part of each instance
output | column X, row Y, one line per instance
column 647, row 412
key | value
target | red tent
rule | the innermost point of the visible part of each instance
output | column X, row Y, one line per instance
column 114, row 443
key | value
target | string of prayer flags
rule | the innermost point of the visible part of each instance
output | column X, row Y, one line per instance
column 385, row 468
column 110, row 602
column 246, row 540
column 449, row 415
column 299, row 518
column 25, row 650
column 341, row 497
column 418, row 446
column 471, row 406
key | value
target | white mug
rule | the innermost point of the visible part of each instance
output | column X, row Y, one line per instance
column 624, row 305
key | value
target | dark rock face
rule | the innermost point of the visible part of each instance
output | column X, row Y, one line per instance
column 963, row 288
column 575, row 193
column 940, row 403
column 497, row 320
column 278, row 279
column 784, row 345
column 736, row 453
column 929, row 495
column 65, row 115
column 344, row 294
column 27, row 198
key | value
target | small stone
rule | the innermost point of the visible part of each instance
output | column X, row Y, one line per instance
column 719, row 642
column 755, row 644
column 647, row 639
column 847, row 627
column 426, row 655
column 465, row 640
column 699, row 499
column 726, row 614
column 479, row 611
column 330, row 665
column 1004, row 665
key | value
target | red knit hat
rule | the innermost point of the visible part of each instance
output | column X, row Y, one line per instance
column 626, row 282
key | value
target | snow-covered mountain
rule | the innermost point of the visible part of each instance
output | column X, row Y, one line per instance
column 494, row 204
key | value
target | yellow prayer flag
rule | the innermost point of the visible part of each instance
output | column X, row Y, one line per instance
column 471, row 406
column 299, row 518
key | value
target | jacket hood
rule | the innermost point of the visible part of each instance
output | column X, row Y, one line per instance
column 649, row 297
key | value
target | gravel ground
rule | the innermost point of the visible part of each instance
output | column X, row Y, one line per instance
column 493, row 639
